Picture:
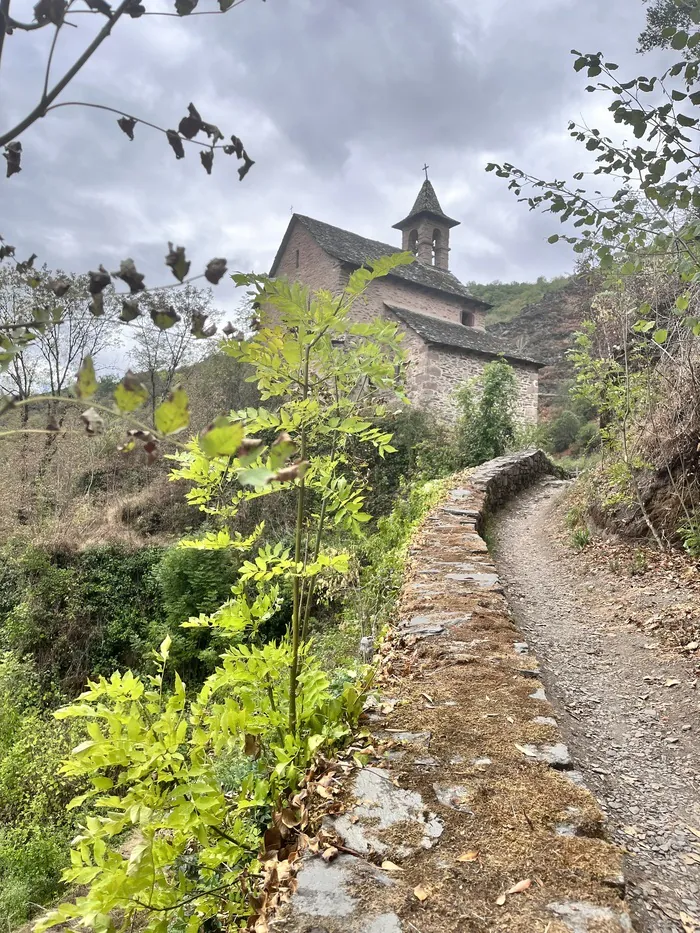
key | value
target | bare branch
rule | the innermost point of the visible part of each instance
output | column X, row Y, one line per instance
column 49, row 97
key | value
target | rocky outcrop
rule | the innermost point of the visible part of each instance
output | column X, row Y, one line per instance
column 473, row 807
column 545, row 330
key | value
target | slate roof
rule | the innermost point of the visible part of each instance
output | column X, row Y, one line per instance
column 426, row 203
column 446, row 334
column 356, row 250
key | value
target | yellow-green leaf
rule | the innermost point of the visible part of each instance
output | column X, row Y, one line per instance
column 87, row 383
column 130, row 394
column 173, row 414
column 222, row 438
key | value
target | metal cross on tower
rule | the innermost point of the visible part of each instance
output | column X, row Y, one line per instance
column 425, row 169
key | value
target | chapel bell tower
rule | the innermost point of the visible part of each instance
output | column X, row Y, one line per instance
column 426, row 230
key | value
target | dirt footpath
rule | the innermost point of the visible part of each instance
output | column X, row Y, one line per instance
column 628, row 706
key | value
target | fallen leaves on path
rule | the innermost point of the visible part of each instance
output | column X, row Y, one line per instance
column 471, row 856
column 391, row 866
column 520, row 887
column 422, row 892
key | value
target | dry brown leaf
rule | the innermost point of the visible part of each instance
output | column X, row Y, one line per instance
column 500, row 900
column 329, row 854
column 520, row 887
column 272, row 839
column 471, row 856
column 526, row 751
column 251, row 746
column 695, row 832
column 322, row 792
column 290, row 818
column 690, row 859
column 689, row 923
column 422, row 892
column 671, row 683
column 427, row 698
column 391, row 866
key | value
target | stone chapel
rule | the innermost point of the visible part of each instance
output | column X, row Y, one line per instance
column 445, row 338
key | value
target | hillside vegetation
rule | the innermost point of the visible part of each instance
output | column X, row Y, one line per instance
column 509, row 298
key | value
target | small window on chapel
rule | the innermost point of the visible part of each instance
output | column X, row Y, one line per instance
column 297, row 259
column 468, row 318
column 413, row 241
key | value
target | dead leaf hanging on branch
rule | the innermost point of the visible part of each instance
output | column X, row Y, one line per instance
column 127, row 124
column 93, row 421
column 97, row 305
column 207, row 159
column 13, row 154
column 164, row 318
column 59, row 286
column 248, row 163
column 100, row 6
column 98, row 281
column 176, row 143
column 176, row 261
column 199, row 330
column 127, row 273
column 50, row 11
column 215, row 271
column 130, row 310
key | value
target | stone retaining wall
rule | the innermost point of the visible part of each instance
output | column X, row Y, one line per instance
column 473, row 796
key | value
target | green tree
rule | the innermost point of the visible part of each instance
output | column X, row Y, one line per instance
column 662, row 17
column 487, row 423
column 564, row 430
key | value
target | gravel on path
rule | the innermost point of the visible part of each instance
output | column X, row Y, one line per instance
column 629, row 708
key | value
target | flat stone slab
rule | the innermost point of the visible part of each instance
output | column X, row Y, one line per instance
column 422, row 626
column 381, row 806
column 326, row 894
column 545, row 721
column 578, row 917
column 416, row 739
column 482, row 579
column 455, row 796
column 557, row 755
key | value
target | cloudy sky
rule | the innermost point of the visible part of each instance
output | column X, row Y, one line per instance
column 340, row 102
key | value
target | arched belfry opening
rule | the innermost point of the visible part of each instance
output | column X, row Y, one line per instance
column 437, row 243
column 426, row 230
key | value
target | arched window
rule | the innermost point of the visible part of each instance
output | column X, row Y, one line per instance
column 413, row 242
column 437, row 242
column 468, row 318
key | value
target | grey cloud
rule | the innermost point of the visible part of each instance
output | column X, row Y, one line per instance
column 339, row 102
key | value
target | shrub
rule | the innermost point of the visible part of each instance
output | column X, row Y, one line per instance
column 81, row 614
column 425, row 447
column 487, row 425
column 192, row 582
column 588, row 438
column 34, row 827
column 564, row 430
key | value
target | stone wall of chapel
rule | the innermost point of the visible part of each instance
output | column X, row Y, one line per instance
column 414, row 298
column 316, row 268
column 445, row 370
